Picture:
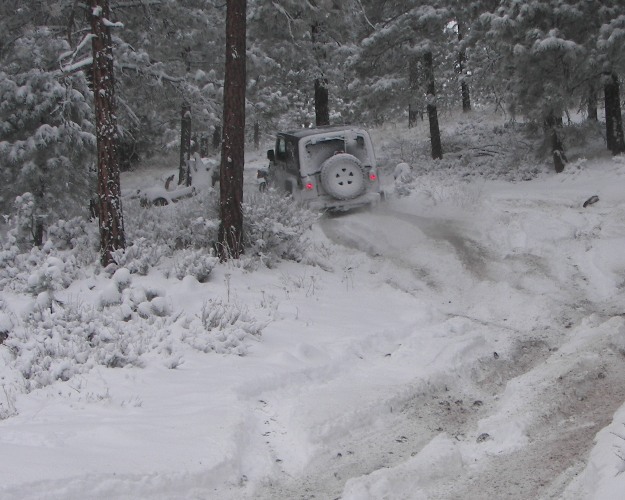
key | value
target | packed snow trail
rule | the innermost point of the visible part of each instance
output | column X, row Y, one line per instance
column 577, row 400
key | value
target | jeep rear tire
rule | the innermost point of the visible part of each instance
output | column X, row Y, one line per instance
column 343, row 177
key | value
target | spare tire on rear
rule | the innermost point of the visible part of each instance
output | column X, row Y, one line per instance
column 343, row 177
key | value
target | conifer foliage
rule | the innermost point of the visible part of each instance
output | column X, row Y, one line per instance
column 109, row 190
column 46, row 126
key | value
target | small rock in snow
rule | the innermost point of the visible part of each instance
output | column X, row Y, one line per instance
column 483, row 437
column 591, row 201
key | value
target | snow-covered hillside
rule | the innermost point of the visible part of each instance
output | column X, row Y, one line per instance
column 464, row 339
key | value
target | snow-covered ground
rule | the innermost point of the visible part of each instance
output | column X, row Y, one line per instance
column 464, row 341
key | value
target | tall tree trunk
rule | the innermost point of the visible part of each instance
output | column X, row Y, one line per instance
column 109, row 193
column 184, row 176
column 233, row 143
column 256, row 135
column 217, row 138
column 40, row 210
column 322, row 107
column 413, row 84
column 435, row 134
column 552, row 124
column 592, row 103
column 204, row 145
column 613, row 117
column 464, row 87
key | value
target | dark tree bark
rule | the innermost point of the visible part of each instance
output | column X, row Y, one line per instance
column 414, row 110
column 185, row 145
column 413, row 115
column 613, row 117
column 464, row 88
column 552, row 124
column 256, row 135
column 435, row 134
column 40, row 202
column 217, row 138
column 592, row 103
column 233, row 144
column 322, row 107
column 109, row 193
column 557, row 151
column 204, row 145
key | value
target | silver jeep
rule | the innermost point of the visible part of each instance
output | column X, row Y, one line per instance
column 332, row 168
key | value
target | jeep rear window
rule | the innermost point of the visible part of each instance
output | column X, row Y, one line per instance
column 319, row 149
column 281, row 148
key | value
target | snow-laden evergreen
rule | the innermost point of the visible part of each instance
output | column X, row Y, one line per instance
column 46, row 131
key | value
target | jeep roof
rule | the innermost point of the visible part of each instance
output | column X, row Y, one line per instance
column 307, row 132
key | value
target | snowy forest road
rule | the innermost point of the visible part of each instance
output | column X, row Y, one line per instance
column 510, row 401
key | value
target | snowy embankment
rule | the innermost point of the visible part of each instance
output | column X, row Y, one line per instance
column 466, row 341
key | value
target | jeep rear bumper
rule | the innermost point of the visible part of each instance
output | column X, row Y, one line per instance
column 332, row 204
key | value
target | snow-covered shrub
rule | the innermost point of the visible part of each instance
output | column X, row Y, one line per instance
column 479, row 149
column 139, row 257
column 76, row 234
column 38, row 270
column 583, row 139
column 6, row 322
column 109, row 295
column 476, row 148
column 223, row 328
column 7, row 403
column 147, row 303
column 133, row 300
column 275, row 227
column 53, row 274
column 122, row 278
column 8, row 265
column 50, row 276
column 64, row 340
column 23, row 221
column 196, row 263
column 404, row 150
column 190, row 223
column 57, row 343
column 158, row 306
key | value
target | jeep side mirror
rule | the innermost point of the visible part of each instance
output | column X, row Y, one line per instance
column 271, row 156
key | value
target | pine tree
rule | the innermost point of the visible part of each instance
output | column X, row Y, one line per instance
column 322, row 110
column 540, row 62
column 610, row 46
column 46, row 120
column 170, row 56
column 552, row 55
column 233, row 144
column 112, row 236
column 399, row 54
column 300, row 49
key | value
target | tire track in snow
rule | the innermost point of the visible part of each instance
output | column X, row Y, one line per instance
column 455, row 407
column 575, row 395
column 413, row 418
